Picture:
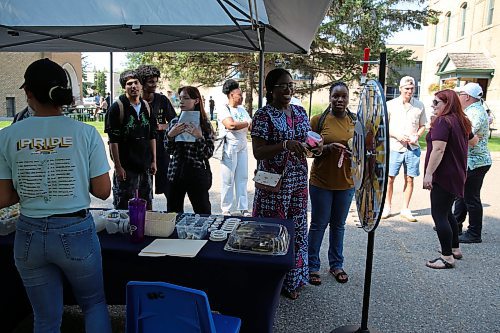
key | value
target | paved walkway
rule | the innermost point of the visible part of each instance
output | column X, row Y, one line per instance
column 406, row 296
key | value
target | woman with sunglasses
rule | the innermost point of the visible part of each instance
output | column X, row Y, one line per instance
column 278, row 131
column 331, row 186
column 189, row 171
column 445, row 171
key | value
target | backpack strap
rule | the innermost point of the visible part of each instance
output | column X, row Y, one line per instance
column 148, row 108
column 352, row 115
column 157, row 101
column 321, row 120
column 120, row 106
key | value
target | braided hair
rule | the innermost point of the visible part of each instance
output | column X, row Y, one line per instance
column 338, row 84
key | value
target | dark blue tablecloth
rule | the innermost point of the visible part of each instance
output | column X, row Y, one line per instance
column 242, row 285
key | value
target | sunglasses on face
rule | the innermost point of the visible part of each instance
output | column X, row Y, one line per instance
column 436, row 102
column 283, row 86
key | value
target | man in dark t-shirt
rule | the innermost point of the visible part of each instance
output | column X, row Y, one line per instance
column 163, row 112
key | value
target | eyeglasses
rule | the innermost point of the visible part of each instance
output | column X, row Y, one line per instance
column 283, row 86
column 185, row 98
column 436, row 102
column 462, row 94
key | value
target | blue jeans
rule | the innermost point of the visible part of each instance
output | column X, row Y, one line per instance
column 45, row 250
column 328, row 207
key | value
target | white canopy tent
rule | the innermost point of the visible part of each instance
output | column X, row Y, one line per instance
column 261, row 26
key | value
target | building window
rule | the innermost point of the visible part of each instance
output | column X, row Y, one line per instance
column 447, row 19
column 491, row 8
column 463, row 10
column 11, row 106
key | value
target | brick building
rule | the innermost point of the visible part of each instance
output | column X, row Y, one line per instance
column 14, row 64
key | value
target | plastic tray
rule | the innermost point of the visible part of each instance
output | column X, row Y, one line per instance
column 259, row 238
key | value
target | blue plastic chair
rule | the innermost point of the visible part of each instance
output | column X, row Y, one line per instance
column 168, row 308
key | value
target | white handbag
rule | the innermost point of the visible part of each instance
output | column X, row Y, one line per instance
column 268, row 181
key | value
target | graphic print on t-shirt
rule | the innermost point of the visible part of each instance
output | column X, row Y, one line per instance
column 47, row 174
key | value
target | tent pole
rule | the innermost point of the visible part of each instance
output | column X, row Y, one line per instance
column 261, row 65
column 111, row 90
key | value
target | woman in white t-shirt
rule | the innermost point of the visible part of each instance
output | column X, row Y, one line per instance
column 234, row 123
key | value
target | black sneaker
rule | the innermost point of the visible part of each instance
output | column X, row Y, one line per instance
column 466, row 237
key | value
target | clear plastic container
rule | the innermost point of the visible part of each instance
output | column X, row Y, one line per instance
column 259, row 238
column 192, row 227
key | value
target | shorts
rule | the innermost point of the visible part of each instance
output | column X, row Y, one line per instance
column 410, row 159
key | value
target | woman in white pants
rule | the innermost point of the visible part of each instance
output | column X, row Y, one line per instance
column 234, row 123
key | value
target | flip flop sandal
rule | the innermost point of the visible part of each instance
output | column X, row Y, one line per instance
column 293, row 295
column 456, row 256
column 341, row 276
column 446, row 264
column 314, row 279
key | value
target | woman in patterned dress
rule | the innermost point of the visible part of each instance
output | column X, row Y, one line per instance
column 278, row 130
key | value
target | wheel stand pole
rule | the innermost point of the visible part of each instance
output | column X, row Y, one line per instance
column 366, row 293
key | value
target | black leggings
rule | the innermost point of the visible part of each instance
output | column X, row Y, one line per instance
column 446, row 224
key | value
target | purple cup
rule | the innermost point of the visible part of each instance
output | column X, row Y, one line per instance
column 137, row 216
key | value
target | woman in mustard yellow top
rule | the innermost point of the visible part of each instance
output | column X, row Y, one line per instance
column 331, row 187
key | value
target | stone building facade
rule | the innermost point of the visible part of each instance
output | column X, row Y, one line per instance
column 13, row 66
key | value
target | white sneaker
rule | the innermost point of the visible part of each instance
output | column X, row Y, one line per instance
column 245, row 213
column 226, row 213
column 406, row 213
column 386, row 212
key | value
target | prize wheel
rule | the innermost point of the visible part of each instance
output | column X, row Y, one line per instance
column 370, row 157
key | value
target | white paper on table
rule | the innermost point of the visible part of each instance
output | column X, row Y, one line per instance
column 188, row 117
column 173, row 247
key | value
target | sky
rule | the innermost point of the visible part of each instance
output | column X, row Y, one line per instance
column 417, row 37
column 101, row 60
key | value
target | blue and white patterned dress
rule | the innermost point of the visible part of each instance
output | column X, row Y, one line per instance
column 290, row 202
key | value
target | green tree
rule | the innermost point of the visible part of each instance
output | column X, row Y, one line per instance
column 352, row 25
column 100, row 82
column 85, row 83
column 349, row 27
column 203, row 69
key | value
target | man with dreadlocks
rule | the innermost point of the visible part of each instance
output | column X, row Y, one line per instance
column 163, row 112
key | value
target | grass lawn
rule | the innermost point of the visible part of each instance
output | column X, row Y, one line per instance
column 99, row 125
column 493, row 144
